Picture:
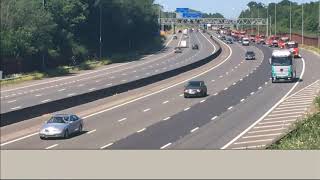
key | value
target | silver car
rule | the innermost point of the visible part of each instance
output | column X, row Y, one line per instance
column 61, row 125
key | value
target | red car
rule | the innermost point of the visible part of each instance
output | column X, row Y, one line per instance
column 282, row 42
column 293, row 47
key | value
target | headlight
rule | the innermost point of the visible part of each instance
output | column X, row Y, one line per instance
column 198, row 90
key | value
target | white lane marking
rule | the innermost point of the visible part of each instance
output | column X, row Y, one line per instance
column 291, row 107
column 213, row 118
column 12, row 101
column 306, row 88
column 50, row 147
column 124, row 80
column 112, row 77
column 84, row 74
column 38, row 95
column 102, row 147
column 301, row 99
column 275, row 122
column 71, row 94
column 262, row 135
column 285, row 117
column 181, row 95
column 123, row 74
column 234, row 83
column 267, row 130
column 230, row 107
column 277, row 125
column 146, row 110
column 123, row 119
column 92, row 89
column 269, row 111
column 250, row 147
column 141, row 130
column 260, row 87
column 61, row 90
column 165, row 102
column 281, row 114
column 252, row 93
column 167, row 118
column 289, row 110
column 19, row 139
column 47, row 100
column 240, row 79
column 186, row 109
column 213, row 80
column 92, row 131
column 80, row 85
column 165, row 146
column 17, row 107
column 225, row 88
column 193, row 130
column 110, row 84
column 137, row 99
column 221, row 76
column 202, row 101
column 266, row 83
column 215, row 94
column 248, row 142
column 242, row 100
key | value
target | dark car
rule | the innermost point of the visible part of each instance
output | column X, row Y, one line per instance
column 195, row 89
column 177, row 50
column 250, row 55
column 229, row 41
column 195, row 46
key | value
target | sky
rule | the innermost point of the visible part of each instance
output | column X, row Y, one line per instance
column 228, row 8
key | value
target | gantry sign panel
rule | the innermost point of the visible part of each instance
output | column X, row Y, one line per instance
column 214, row 21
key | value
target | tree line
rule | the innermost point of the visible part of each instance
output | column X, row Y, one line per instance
column 37, row 34
column 282, row 17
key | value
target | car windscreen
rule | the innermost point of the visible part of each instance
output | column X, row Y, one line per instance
column 281, row 61
column 292, row 45
column 58, row 119
column 194, row 83
column 250, row 53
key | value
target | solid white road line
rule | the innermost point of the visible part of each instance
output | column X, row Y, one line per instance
column 17, row 107
column 50, row 147
column 19, row 139
column 102, row 147
column 47, row 100
column 270, row 110
column 12, row 101
column 38, row 95
column 146, row 110
column 193, row 130
column 202, row 101
column 230, row 107
column 165, row 102
column 72, row 94
column 165, row 146
column 242, row 100
column 186, row 109
column 167, row 118
column 61, row 90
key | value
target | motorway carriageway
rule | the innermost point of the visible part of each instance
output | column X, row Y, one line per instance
column 134, row 117
column 50, row 90
column 239, row 93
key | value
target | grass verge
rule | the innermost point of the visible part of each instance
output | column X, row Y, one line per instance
column 306, row 134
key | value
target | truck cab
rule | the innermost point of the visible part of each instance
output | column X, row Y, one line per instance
column 293, row 48
column 282, row 66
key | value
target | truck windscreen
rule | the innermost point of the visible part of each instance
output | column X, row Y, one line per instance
column 281, row 61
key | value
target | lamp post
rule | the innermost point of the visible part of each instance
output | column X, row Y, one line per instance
column 43, row 53
column 302, row 38
column 290, row 21
column 275, row 19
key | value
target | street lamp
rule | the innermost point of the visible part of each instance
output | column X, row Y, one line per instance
column 97, row 2
column 290, row 21
column 275, row 19
column 302, row 38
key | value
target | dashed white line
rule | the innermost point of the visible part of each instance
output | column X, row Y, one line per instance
column 181, row 95
column 213, row 118
column 225, row 88
column 47, row 100
column 213, row 80
column 80, row 85
column 110, row 84
column 260, row 87
column 215, row 94
column 50, row 147
column 242, row 100
column 165, row 102
column 14, row 108
column 71, row 94
column 202, row 101
column 234, row 83
column 230, row 107
column 193, row 130
column 123, row 119
column 92, row 89
column 38, row 95
column 146, row 110
column 186, row 109
column 102, row 147
column 61, row 90
column 167, row 118
column 92, row 131
column 251, row 93
column 141, row 130
column 220, row 76
column 165, row 146
column 12, row 101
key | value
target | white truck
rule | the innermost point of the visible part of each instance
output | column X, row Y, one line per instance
column 185, row 31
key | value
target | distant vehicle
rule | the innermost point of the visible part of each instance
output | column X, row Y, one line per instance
column 282, row 42
column 185, row 31
column 195, row 46
column 293, row 48
column 261, row 41
column 177, row 50
column 245, row 42
column 175, row 37
column 61, row 125
column 183, row 44
column 250, row 55
column 283, row 66
column 229, row 41
column 180, row 31
column 195, row 89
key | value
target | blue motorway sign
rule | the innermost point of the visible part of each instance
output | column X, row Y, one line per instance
column 182, row 10
column 192, row 15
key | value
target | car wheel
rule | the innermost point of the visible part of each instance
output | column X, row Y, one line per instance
column 80, row 128
column 41, row 137
column 66, row 134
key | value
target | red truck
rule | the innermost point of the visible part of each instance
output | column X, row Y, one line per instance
column 282, row 42
column 293, row 47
